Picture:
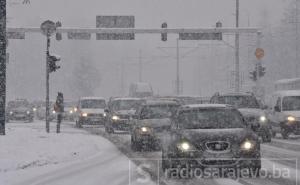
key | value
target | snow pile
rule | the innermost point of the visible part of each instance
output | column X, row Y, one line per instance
column 28, row 145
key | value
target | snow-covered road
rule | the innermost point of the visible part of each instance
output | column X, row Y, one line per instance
column 29, row 156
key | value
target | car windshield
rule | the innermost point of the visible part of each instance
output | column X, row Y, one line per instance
column 239, row 101
column 93, row 104
column 291, row 103
column 158, row 111
column 210, row 119
column 125, row 105
column 16, row 104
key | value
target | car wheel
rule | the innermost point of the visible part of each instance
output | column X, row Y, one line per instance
column 135, row 146
column 267, row 137
column 285, row 134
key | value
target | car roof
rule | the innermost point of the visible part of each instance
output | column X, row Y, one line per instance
column 160, row 102
column 288, row 93
column 126, row 98
column 203, row 106
column 92, row 98
column 236, row 94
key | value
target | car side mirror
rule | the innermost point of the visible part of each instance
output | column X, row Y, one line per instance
column 106, row 110
column 277, row 109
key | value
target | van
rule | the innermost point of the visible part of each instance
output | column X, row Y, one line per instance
column 285, row 112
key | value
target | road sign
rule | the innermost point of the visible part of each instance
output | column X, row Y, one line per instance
column 115, row 22
column 259, row 53
column 79, row 36
column 15, row 35
column 48, row 28
column 200, row 36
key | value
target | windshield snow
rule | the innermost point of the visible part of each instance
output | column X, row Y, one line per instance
column 93, row 104
column 291, row 103
column 239, row 101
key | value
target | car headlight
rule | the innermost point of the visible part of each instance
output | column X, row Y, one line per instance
column 28, row 112
column 262, row 119
column 53, row 111
column 291, row 118
column 11, row 112
column 34, row 109
column 104, row 114
column 71, row 112
column 84, row 114
column 185, row 146
column 75, row 109
column 145, row 130
column 247, row 145
column 115, row 118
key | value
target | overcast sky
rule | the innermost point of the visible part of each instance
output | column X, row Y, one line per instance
column 26, row 67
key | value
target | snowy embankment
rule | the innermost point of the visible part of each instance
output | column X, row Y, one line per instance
column 28, row 145
column 29, row 156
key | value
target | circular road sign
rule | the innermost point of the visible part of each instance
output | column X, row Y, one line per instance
column 259, row 53
column 48, row 28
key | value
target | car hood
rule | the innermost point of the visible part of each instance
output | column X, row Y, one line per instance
column 125, row 112
column 292, row 113
column 202, row 135
column 156, row 123
column 251, row 112
column 93, row 111
column 20, row 109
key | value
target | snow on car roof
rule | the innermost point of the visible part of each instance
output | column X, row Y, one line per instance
column 288, row 80
column 288, row 93
column 127, row 98
column 237, row 94
column 206, row 106
column 92, row 98
column 160, row 102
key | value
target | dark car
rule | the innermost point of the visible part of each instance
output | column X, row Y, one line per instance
column 19, row 110
column 251, row 109
column 210, row 136
column 152, row 121
column 119, row 113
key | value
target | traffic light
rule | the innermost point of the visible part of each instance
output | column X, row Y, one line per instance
column 52, row 66
column 58, row 35
column 164, row 36
column 261, row 72
column 219, row 35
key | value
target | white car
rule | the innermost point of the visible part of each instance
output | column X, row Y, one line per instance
column 285, row 112
column 90, row 111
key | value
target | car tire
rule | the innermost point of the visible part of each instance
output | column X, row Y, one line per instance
column 285, row 134
column 134, row 146
column 267, row 137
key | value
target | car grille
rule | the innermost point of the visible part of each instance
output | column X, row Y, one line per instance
column 218, row 162
column 250, row 119
column 93, row 115
column 217, row 146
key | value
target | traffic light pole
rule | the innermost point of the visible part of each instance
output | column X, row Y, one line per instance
column 47, row 85
column 258, row 63
column 2, row 65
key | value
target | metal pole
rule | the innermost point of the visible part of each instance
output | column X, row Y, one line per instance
column 258, row 64
column 47, row 85
column 140, row 66
column 2, row 65
column 177, row 68
column 237, row 51
column 297, row 39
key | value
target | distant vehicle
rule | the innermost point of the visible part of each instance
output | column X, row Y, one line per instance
column 119, row 113
column 210, row 136
column 90, row 111
column 41, row 111
column 287, row 84
column 152, row 120
column 140, row 90
column 251, row 109
column 285, row 112
column 70, row 110
column 19, row 109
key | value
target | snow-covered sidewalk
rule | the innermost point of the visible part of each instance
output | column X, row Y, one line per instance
column 27, row 145
column 29, row 156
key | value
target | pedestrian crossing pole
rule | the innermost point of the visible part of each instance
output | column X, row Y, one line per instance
column 2, row 65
